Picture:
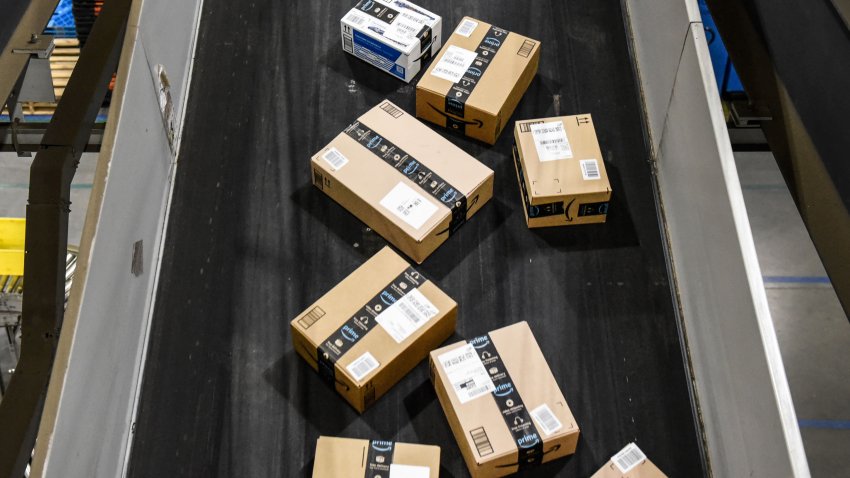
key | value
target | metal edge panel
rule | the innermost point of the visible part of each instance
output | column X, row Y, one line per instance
column 56, row 387
column 744, row 396
column 58, row 414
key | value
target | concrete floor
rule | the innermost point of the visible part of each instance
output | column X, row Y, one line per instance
column 813, row 330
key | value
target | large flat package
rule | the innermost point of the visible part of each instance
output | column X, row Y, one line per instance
column 405, row 181
column 371, row 329
column 503, row 405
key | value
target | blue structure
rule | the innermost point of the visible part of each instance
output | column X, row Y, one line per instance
column 727, row 78
column 61, row 24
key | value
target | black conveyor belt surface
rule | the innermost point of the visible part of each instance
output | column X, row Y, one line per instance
column 251, row 243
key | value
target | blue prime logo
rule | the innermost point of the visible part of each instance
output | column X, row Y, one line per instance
column 504, row 389
column 349, row 333
column 480, row 342
column 528, row 441
column 381, row 445
column 411, row 167
column 387, row 298
column 474, row 71
column 492, row 42
column 374, row 142
column 449, row 196
column 367, row 6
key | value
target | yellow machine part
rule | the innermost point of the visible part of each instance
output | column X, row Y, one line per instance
column 12, row 232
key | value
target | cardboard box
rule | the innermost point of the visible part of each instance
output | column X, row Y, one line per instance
column 477, row 79
column 395, row 36
column 348, row 457
column 502, row 402
column 561, row 172
column 630, row 462
column 373, row 327
column 405, row 181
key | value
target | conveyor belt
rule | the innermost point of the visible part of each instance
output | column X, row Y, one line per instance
column 250, row 244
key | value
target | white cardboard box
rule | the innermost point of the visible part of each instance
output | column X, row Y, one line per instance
column 395, row 36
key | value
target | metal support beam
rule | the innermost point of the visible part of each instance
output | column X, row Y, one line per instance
column 46, row 244
column 27, row 137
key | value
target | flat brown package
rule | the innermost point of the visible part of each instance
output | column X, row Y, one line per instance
column 477, row 80
column 373, row 327
column 630, row 462
column 560, row 170
column 405, row 181
column 349, row 457
column 502, row 402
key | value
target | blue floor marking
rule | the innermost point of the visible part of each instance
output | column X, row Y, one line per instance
column 825, row 424
column 796, row 280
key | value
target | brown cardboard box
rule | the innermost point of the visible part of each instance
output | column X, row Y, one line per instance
column 561, row 172
column 502, row 402
column 353, row 458
column 402, row 179
column 477, row 80
column 630, row 462
column 373, row 327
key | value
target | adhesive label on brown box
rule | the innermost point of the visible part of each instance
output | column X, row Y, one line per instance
column 477, row 79
column 402, row 179
column 503, row 405
column 371, row 329
column 630, row 462
column 561, row 172
column 349, row 457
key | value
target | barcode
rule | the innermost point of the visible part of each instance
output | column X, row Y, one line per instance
column 318, row 179
column 526, row 48
column 481, row 441
column 458, row 359
column 392, row 110
column 346, row 44
column 466, row 27
column 472, row 393
column 335, row 158
column 526, row 127
column 415, row 310
column 362, row 366
column 355, row 19
column 452, row 60
column 546, row 419
column 311, row 317
column 628, row 458
column 589, row 169
column 553, row 141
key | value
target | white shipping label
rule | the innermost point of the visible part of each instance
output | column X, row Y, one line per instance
column 362, row 366
column 410, row 206
column 454, row 63
column 409, row 471
column 466, row 373
column 590, row 169
column 336, row 159
column 545, row 419
column 551, row 141
column 407, row 315
column 466, row 27
column 405, row 27
column 628, row 458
